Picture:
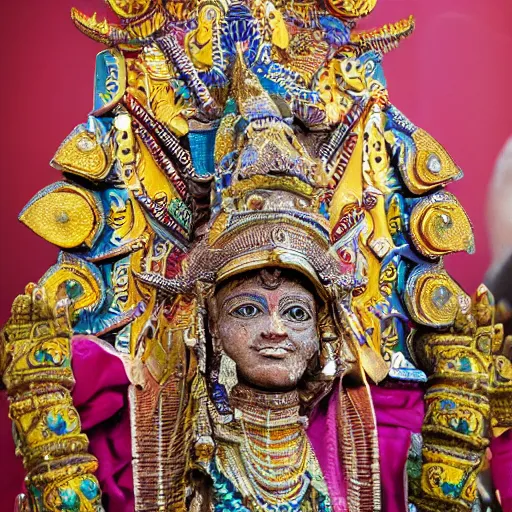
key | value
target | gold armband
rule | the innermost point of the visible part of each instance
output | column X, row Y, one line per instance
column 458, row 408
column 36, row 359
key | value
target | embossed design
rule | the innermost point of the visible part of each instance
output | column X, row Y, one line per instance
column 229, row 140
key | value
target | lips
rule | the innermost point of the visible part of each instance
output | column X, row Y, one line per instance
column 275, row 351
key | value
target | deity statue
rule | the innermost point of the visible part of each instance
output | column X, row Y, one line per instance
column 250, row 310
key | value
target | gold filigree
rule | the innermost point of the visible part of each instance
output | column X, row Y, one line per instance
column 439, row 225
column 129, row 8
column 82, row 154
column 501, row 382
column 433, row 298
column 432, row 167
column 199, row 43
column 99, row 31
column 333, row 95
column 350, row 9
column 225, row 139
column 262, row 182
column 444, row 470
column 38, row 377
column 138, row 28
column 150, row 81
column 64, row 214
column 456, row 427
column 386, row 38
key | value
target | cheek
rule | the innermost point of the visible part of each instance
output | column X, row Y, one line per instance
column 234, row 337
column 308, row 342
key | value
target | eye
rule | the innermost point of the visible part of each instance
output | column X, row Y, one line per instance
column 246, row 311
column 297, row 314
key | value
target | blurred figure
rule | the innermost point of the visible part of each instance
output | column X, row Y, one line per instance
column 499, row 214
column 499, row 281
column 499, row 219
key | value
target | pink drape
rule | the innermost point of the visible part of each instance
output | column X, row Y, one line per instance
column 399, row 413
column 101, row 398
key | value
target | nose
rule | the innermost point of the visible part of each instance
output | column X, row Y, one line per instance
column 275, row 329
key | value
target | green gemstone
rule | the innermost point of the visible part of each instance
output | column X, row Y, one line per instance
column 74, row 289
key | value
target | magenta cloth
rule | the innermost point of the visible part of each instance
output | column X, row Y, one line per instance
column 323, row 437
column 501, row 467
column 101, row 398
column 399, row 413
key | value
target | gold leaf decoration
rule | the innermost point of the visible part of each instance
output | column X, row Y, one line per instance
column 351, row 8
column 439, row 225
column 432, row 297
column 63, row 214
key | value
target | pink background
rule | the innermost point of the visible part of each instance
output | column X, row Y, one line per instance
column 452, row 78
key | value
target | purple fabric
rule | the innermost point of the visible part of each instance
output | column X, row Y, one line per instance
column 323, row 437
column 399, row 413
column 101, row 397
column 501, row 467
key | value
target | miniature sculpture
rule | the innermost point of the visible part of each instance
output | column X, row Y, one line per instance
column 257, row 234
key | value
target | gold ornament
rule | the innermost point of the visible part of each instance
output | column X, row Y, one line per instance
column 64, row 214
column 434, row 298
column 38, row 377
column 129, row 8
column 351, row 9
column 439, row 225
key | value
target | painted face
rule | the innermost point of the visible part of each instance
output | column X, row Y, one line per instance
column 271, row 334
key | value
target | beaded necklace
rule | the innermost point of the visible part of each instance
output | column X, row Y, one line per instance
column 270, row 461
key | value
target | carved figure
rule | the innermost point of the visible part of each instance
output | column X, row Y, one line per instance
column 256, row 233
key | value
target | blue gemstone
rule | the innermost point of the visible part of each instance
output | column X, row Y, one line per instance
column 74, row 289
column 70, row 499
column 465, row 365
column 448, row 404
column 40, row 356
column 452, row 490
column 89, row 489
column 57, row 424
column 464, row 427
column 441, row 296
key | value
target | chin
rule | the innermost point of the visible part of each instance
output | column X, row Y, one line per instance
column 275, row 376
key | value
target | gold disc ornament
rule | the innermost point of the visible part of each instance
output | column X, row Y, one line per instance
column 64, row 214
column 351, row 9
column 129, row 8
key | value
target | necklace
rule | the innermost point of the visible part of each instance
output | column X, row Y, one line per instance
column 269, row 462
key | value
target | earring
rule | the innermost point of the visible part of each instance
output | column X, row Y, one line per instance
column 227, row 372
column 328, row 337
column 328, row 359
column 220, row 375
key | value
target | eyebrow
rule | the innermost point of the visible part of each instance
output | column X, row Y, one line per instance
column 256, row 298
column 303, row 300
